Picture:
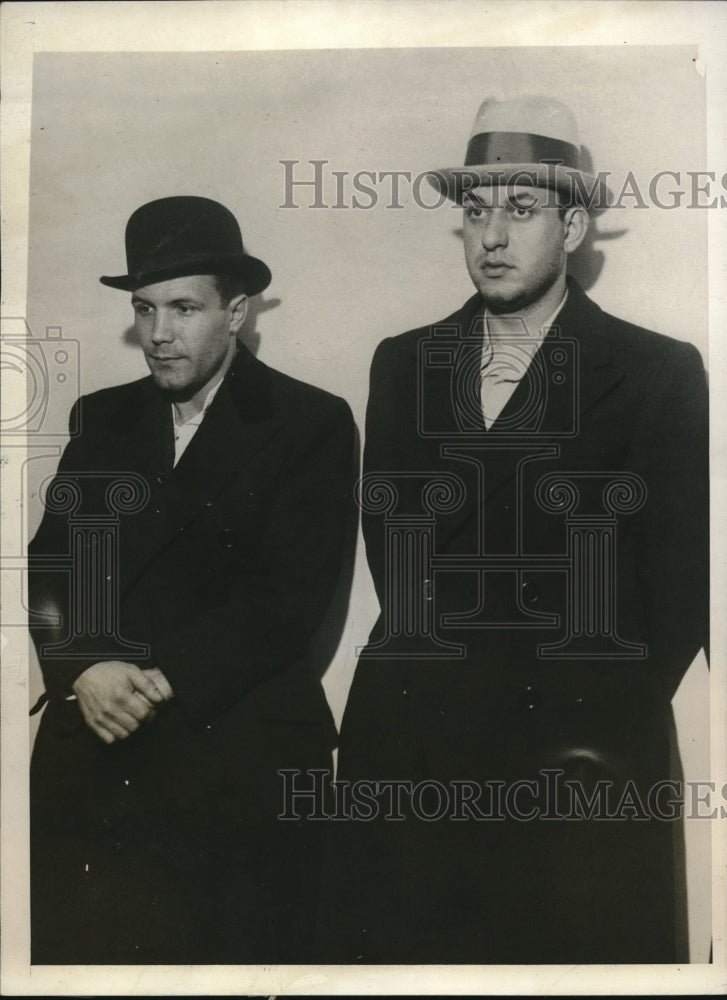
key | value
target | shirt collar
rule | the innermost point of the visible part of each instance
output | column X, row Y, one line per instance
column 196, row 420
column 527, row 342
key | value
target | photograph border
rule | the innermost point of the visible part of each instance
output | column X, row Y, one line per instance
column 32, row 28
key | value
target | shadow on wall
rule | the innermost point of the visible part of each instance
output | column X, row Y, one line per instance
column 587, row 263
column 258, row 305
column 250, row 337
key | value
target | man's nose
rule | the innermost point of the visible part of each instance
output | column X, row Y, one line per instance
column 162, row 329
column 494, row 230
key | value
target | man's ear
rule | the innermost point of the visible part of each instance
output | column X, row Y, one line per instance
column 576, row 226
column 238, row 312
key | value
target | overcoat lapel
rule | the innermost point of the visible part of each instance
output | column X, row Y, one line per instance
column 142, row 443
column 238, row 424
column 587, row 379
column 590, row 375
column 456, row 411
column 445, row 386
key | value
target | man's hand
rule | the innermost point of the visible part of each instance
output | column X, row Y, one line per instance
column 161, row 683
column 116, row 697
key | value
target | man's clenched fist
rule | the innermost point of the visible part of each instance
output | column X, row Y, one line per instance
column 116, row 697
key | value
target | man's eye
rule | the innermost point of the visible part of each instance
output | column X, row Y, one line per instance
column 521, row 211
column 142, row 310
column 473, row 211
column 184, row 310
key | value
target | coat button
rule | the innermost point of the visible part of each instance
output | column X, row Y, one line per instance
column 530, row 592
column 228, row 538
column 530, row 698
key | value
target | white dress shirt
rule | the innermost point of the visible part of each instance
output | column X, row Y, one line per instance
column 184, row 432
column 506, row 359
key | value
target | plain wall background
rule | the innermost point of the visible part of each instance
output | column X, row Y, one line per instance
column 111, row 131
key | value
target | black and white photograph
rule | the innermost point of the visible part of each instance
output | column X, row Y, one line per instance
column 363, row 479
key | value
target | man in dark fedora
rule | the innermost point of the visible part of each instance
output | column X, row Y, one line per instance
column 191, row 544
column 535, row 514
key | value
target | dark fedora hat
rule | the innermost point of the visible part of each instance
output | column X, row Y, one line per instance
column 175, row 237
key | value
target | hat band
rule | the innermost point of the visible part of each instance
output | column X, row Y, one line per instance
column 519, row 147
column 163, row 262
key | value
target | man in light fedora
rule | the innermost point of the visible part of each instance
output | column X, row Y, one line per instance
column 191, row 544
column 535, row 514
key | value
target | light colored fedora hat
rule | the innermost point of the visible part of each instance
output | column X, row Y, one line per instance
column 527, row 140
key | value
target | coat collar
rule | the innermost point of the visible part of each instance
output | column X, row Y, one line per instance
column 238, row 423
column 562, row 391
column 573, row 369
column 543, row 403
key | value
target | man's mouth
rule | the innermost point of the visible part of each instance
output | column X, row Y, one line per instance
column 495, row 266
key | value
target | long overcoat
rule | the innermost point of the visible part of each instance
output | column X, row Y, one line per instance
column 543, row 588
column 165, row 847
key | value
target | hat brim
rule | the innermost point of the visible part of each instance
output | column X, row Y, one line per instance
column 254, row 273
column 576, row 186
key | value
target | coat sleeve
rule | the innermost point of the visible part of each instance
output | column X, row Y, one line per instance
column 224, row 652
column 670, row 451
column 382, row 449
column 49, row 585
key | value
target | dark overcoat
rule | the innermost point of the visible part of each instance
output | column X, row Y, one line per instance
column 543, row 588
column 165, row 847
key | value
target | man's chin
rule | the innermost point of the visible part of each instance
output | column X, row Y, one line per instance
column 500, row 300
column 178, row 392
